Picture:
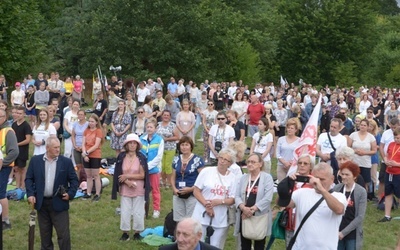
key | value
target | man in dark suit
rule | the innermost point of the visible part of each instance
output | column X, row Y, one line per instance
column 188, row 235
column 46, row 174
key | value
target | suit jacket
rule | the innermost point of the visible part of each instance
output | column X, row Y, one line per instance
column 174, row 246
column 65, row 175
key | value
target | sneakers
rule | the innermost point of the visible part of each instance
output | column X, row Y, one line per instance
column 124, row 237
column 201, row 139
column 6, row 226
column 96, row 198
column 86, row 196
column 137, row 236
column 385, row 219
column 156, row 214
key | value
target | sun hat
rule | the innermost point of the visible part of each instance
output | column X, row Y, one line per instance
column 132, row 137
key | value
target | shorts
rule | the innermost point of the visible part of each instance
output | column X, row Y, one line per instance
column 4, row 173
column 366, row 174
column 392, row 184
column 20, row 163
column 382, row 173
column 94, row 163
column 77, row 157
column 31, row 112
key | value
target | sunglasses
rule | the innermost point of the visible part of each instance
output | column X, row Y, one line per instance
column 220, row 118
column 140, row 112
column 210, row 104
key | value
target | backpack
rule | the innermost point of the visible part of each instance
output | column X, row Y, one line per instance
column 16, row 194
column 169, row 225
column 381, row 203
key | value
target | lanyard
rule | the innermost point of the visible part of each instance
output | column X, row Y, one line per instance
column 352, row 189
column 394, row 152
column 249, row 188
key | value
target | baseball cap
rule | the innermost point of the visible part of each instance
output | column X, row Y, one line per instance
column 285, row 189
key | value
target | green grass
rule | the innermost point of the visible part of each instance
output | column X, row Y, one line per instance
column 96, row 226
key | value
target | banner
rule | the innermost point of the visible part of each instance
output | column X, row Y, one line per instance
column 308, row 139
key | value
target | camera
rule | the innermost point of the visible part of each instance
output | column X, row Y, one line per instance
column 61, row 190
column 218, row 146
column 301, row 178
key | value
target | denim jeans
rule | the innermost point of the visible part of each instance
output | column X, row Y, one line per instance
column 347, row 244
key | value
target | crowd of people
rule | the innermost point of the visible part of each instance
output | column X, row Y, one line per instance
column 153, row 128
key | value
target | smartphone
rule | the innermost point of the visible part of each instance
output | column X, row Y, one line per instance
column 301, row 178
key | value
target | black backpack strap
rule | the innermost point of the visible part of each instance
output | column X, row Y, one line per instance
column 330, row 141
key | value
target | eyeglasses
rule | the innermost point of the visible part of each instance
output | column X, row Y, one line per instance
column 210, row 104
column 224, row 159
column 140, row 112
column 303, row 163
column 251, row 162
column 220, row 118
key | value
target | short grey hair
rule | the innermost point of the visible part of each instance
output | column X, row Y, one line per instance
column 309, row 157
column 322, row 166
column 345, row 152
column 230, row 152
column 196, row 225
column 50, row 139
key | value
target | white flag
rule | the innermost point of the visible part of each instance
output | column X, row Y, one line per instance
column 283, row 83
column 308, row 139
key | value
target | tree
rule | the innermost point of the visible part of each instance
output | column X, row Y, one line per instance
column 22, row 47
column 322, row 34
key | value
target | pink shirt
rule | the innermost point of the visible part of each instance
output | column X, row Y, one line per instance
column 134, row 168
column 78, row 86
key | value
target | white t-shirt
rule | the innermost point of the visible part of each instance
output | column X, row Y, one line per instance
column 362, row 160
column 326, row 148
column 142, row 93
column 212, row 188
column 222, row 135
column 261, row 146
column 240, row 107
column 320, row 231
column 18, row 97
column 231, row 92
column 363, row 106
column 181, row 89
column 387, row 138
column 39, row 133
column 71, row 118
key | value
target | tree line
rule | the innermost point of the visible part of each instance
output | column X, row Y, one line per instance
column 345, row 42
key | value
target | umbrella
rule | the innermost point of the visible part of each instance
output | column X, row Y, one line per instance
column 32, row 223
column 209, row 230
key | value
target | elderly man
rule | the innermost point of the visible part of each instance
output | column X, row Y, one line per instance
column 50, row 183
column 321, row 228
column 188, row 235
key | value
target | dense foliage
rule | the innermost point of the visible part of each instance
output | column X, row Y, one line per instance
column 321, row 41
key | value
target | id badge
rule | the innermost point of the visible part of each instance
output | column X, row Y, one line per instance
column 182, row 184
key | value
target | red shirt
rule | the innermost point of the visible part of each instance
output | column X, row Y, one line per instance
column 393, row 153
column 255, row 113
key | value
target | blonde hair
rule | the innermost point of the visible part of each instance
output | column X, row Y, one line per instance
column 373, row 123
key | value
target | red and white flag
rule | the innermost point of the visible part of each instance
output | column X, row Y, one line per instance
column 308, row 139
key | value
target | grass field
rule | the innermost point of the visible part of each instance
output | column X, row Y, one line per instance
column 96, row 226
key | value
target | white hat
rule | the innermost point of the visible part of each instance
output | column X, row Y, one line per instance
column 132, row 137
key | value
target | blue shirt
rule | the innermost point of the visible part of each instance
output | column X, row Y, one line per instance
column 172, row 87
